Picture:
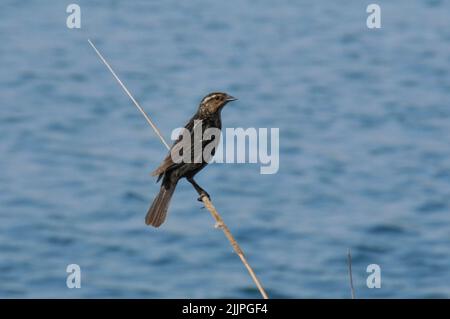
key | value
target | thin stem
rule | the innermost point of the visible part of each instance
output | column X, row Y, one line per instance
column 149, row 121
column 208, row 204
column 221, row 224
column 349, row 260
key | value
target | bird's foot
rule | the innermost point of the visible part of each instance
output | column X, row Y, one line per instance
column 203, row 193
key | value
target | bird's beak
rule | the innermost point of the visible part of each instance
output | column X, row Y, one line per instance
column 231, row 98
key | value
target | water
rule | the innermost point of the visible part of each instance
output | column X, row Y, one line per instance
column 364, row 148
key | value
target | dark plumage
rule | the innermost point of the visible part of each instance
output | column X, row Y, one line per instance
column 209, row 112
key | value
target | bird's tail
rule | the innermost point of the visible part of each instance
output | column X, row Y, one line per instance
column 158, row 211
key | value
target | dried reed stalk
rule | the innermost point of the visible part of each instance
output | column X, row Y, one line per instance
column 206, row 201
column 350, row 274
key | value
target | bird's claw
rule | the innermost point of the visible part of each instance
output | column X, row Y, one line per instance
column 200, row 199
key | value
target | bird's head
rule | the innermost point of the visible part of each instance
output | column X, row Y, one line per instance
column 214, row 102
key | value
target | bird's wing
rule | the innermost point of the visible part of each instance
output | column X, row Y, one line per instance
column 168, row 163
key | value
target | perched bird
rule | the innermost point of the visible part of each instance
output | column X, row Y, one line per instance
column 209, row 113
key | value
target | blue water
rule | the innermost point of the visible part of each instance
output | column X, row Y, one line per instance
column 364, row 119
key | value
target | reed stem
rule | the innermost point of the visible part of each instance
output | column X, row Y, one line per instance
column 206, row 201
column 350, row 274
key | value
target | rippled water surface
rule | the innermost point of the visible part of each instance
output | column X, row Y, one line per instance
column 364, row 119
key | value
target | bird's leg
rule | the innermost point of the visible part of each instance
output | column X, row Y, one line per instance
column 199, row 190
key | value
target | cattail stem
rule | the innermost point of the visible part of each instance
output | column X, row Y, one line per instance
column 221, row 224
column 206, row 201
column 350, row 274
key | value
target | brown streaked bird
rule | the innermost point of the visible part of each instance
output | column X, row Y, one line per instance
column 209, row 112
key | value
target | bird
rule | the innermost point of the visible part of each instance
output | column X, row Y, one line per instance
column 170, row 171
